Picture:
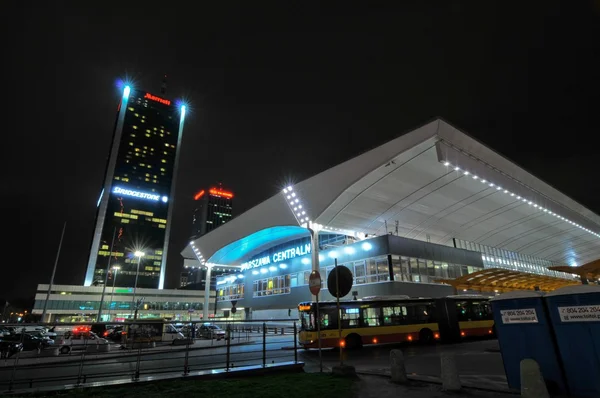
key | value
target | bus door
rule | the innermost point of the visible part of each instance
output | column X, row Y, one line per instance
column 447, row 320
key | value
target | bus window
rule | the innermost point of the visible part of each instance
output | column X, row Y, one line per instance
column 371, row 316
column 423, row 313
column 350, row 317
column 394, row 315
column 307, row 320
column 328, row 318
column 481, row 311
column 462, row 311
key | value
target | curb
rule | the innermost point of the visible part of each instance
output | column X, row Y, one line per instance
column 436, row 380
column 100, row 357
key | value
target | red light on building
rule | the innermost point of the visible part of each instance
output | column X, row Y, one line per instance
column 218, row 192
column 199, row 195
column 157, row 99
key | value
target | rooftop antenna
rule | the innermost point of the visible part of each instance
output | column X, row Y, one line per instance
column 163, row 86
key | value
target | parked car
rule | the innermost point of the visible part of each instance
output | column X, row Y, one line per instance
column 211, row 331
column 79, row 340
column 115, row 334
column 9, row 348
column 5, row 331
column 29, row 341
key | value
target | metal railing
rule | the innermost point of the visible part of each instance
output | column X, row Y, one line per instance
column 146, row 348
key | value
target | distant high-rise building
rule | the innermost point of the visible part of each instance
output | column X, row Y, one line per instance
column 214, row 208
column 136, row 202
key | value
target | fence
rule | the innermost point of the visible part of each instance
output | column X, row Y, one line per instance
column 84, row 353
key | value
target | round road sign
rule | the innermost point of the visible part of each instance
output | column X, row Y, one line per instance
column 314, row 282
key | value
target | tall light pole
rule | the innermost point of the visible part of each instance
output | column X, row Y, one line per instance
column 99, row 318
column 115, row 268
column 62, row 235
column 207, row 281
column 139, row 255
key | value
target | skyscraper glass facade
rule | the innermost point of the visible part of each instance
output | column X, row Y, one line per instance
column 136, row 201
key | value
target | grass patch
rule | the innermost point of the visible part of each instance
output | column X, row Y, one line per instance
column 294, row 385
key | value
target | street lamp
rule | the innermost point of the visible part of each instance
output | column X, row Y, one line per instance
column 139, row 255
column 115, row 268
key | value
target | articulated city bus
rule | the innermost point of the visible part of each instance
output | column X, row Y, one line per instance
column 394, row 319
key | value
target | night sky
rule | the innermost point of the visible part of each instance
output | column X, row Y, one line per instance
column 278, row 93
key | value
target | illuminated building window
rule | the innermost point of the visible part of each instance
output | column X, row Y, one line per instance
column 147, row 135
column 117, row 178
column 143, row 121
column 148, row 131
column 104, row 247
column 162, row 226
column 157, row 268
column 134, row 127
column 159, row 252
column 125, row 221
column 125, row 178
column 155, row 129
column 163, row 160
column 147, row 175
column 162, row 135
column 154, row 181
column 157, row 263
column 131, row 143
column 161, row 169
column 147, row 268
column 166, row 145
column 133, row 135
column 136, row 114
column 130, row 108
column 146, row 179
column 172, row 146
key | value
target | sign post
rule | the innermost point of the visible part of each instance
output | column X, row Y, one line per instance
column 339, row 311
column 314, row 284
column 339, row 283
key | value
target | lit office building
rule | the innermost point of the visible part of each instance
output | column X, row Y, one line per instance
column 136, row 202
column 213, row 209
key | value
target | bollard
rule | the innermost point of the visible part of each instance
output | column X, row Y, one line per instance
column 397, row 367
column 532, row 381
column 450, row 379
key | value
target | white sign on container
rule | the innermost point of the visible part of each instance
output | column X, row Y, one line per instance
column 524, row 315
column 580, row 313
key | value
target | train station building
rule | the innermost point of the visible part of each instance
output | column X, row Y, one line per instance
column 428, row 214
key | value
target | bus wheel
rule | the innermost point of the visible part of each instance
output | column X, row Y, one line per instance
column 426, row 336
column 353, row 341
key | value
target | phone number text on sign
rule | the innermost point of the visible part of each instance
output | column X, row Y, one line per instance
column 580, row 313
column 525, row 315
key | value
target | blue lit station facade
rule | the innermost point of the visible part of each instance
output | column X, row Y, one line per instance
column 407, row 218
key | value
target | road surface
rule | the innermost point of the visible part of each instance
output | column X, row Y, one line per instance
column 473, row 358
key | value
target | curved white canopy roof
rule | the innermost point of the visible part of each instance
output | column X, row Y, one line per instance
column 438, row 184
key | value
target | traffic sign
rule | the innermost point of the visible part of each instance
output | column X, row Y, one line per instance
column 342, row 286
column 314, row 282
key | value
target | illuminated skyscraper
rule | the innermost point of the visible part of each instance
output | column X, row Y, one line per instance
column 214, row 208
column 136, row 201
